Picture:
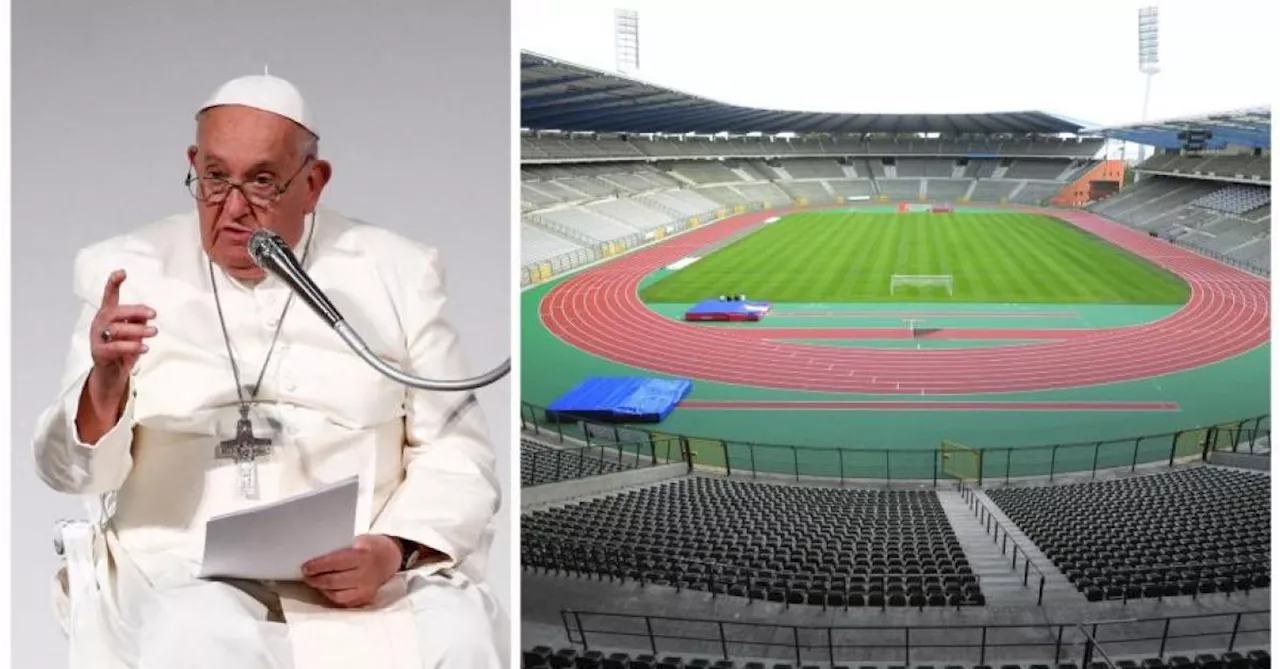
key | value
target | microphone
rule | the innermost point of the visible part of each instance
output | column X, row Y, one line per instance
column 270, row 252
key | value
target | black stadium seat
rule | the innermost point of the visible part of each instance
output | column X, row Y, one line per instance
column 1194, row 531
column 801, row 546
column 563, row 658
column 543, row 463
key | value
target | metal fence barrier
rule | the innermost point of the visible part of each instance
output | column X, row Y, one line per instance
column 869, row 465
column 1050, row 643
column 553, row 464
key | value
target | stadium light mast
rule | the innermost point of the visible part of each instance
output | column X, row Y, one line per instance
column 626, row 40
column 1148, row 55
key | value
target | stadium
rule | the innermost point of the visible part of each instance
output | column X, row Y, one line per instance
column 838, row 389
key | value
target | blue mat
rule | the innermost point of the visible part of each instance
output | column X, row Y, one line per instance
column 727, row 310
column 620, row 399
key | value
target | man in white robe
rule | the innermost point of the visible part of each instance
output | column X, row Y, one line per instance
column 175, row 316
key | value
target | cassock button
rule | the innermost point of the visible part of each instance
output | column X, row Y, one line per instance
column 291, row 386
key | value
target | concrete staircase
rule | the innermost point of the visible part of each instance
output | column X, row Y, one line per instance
column 577, row 191
column 737, row 192
column 1001, row 583
column 675, row 174
column 1017, row 189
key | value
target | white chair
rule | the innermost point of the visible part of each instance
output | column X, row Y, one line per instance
column 76, row 594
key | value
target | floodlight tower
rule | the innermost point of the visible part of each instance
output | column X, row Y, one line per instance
column 1148, row 54
column 626, row 40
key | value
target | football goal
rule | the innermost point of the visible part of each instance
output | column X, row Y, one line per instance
column 921, row 280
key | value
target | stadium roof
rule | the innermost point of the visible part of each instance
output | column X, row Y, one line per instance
column 1244, row 127
column 558, row 95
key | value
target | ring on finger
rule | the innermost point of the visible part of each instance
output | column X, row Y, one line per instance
column 105, row 335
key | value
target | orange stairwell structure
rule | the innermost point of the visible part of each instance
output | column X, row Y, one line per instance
column 1104, row 179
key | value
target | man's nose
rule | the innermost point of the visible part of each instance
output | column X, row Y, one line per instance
column 237, row 206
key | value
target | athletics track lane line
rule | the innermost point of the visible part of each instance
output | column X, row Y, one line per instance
column 890, row 405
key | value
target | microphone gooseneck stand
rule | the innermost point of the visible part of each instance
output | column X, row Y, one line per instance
column 270, row 252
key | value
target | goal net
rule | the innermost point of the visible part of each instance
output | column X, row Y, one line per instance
column 921, row 281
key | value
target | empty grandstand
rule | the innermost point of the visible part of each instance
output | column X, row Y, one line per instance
column 593, row 186
column 587, row 193
column 1216, row 200
column 630, row 188
column 797, row 545
column 1194, row 531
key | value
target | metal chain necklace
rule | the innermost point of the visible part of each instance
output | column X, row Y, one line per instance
column 244, row 448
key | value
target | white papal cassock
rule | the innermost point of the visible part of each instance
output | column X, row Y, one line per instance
column 426, row 468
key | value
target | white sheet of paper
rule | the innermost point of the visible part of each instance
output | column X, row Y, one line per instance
column 273, row 541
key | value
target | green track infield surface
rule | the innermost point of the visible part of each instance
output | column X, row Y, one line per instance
column 844, row 257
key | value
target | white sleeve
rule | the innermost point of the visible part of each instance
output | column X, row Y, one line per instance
column 450, row 492
column 63, row 460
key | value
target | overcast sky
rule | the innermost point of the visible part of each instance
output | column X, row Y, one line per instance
column 1076, row 58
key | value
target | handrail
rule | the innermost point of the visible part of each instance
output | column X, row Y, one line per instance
column 1058, row 636
column 1199, row 632
column 986, row 518
column 626, row 455
column 1091, row 646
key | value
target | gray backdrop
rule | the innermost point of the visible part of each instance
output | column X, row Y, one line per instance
column 412, row 100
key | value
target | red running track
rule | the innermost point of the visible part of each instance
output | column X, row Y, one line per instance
column 599, row 311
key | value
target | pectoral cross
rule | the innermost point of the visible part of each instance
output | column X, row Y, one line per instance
column 244, row 448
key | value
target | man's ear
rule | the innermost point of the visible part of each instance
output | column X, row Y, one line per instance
column 317, row 178
column 191, row 154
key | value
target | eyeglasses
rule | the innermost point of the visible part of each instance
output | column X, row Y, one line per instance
column 262, row 192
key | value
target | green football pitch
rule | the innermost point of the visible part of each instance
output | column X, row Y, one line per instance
column 991, row 257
